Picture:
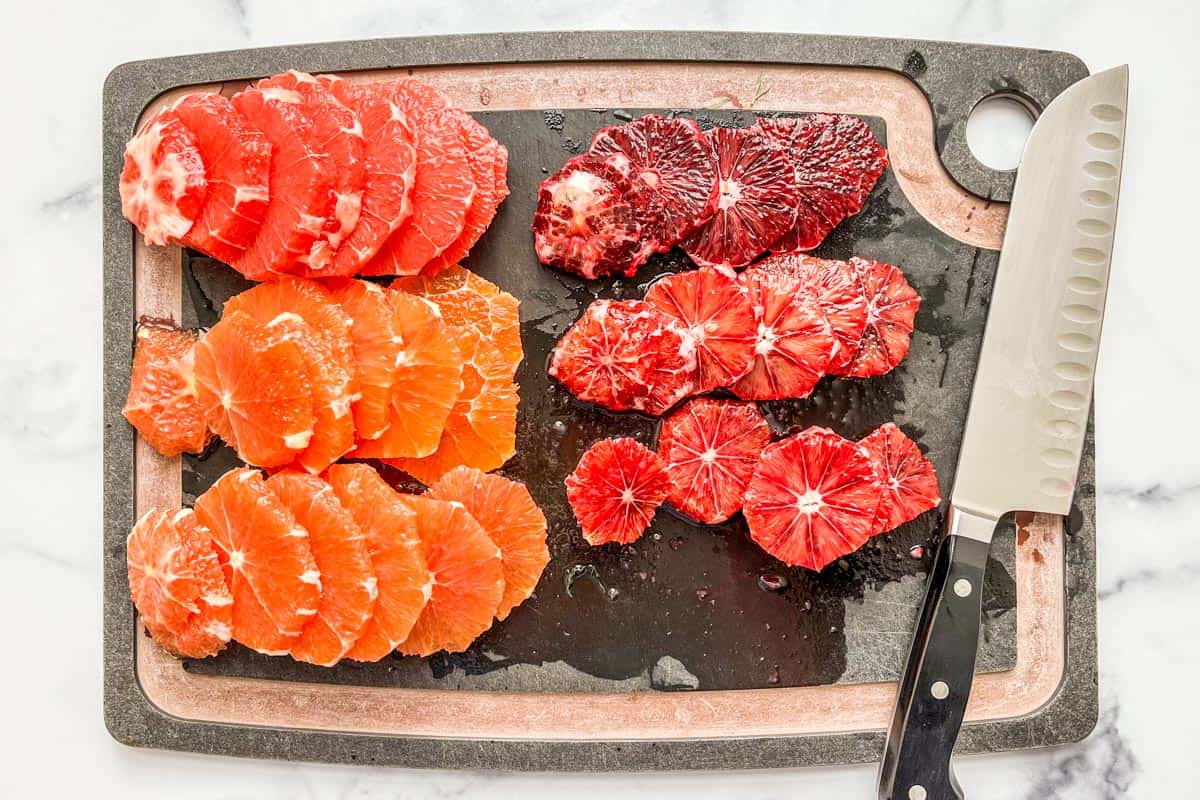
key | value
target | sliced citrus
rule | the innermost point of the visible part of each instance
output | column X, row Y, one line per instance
column 468, row 578
column 162, row 403
column 375, row 347
column 266, row 558
column 910, row 485
column 403, row 579
column 253, row 382
column 891, row 309
column 710, row 448
column 339, row 547
column 615, row 490
column 163, row 182
column 812, row 499
column 514, row 522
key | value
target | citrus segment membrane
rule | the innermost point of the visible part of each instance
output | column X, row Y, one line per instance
column 163, row 183
column 615, row 490
column 908, row 479
column 162, row 403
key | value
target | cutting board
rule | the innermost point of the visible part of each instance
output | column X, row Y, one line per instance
column 666, row 652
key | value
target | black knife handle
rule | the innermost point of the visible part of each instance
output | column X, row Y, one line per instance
column 937, row 680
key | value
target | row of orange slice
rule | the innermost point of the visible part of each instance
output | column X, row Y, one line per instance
column 339, row 566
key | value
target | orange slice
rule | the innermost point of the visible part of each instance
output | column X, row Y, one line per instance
column 373, row 342
column 162, row 403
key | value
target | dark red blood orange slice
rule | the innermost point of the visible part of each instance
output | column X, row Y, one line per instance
column 615, row 490
column 626, row 355
column 589, row 221
column 162, row 403
column 403, row 579
column 177, row 585
column 163, row 183
column 837, row 161
column 266, row 558
column 337, row 132
column 710, row 449
column 669, row 162
column 908, row 480
column 302, row 178
column 375, row 347
column 891, row 309
column 468, row 578
column 717, row 313
column 794, row 341
column 812, row 499
column 253, row 382
column 237, row 163
column 339, row 547
column 756, row 199
column 506, row 511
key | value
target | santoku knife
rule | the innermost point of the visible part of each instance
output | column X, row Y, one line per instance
column 1028, row 413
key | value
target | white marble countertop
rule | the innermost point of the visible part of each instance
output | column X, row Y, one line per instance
column 56, row 54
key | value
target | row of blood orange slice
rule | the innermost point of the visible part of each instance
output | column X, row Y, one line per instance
column 336, row 566
column 302, row 373
column 316, row 176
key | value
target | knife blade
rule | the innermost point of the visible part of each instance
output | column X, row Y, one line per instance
column 1028, row 413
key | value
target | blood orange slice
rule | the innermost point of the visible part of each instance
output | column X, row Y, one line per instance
column 468, row 578
column 710, row 448
column 910, row 485
column 177, row 586
column 589, row 221
column 322, row 329
column 425, row 384
column 302, row 177
column 756, row 202
column 237, row 162
column 669, row 162
column 404, row 581
column 507, row 513
column 266, row 558
column 891, row 309
column 339, row 547
column 253, row 382
column 615, row 490
column 812, row 499
column 794, row 341
column 337, row 132
column 717, row 313
column 162, row 403
column 162, row 183
column 375, row 347
column 838, row 292
column 837, row 161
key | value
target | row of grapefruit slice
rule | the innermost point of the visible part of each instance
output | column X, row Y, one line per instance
column 316, row 176
column 302, row 372
column 725, row 196
column 808, row 499
column 336, row 566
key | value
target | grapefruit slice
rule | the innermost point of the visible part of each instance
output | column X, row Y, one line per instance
column 302, row 178
column 375, row 346
column 717, row 313
column 322, row 329
column 404, row 582
column 507, row 513
column 710, row 448
column 756, row 202
column 910, row 485
column 794, row 343
column 337, row 132
column 589, row 221
column 468, row 578
column 177, row 586
column 837, row 161
column 237, row 163
column 615, row 490
column 162, row 403
column 891, row 310
column 812, row 499
column 339, row 547
column 253, row 382
column 162, row 184
column 670, row 163
column 426, row 382
column 266, row 558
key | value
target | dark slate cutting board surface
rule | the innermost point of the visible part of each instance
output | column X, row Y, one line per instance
column 682, row 606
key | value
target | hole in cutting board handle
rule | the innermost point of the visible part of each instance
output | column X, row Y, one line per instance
column 997, row 129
